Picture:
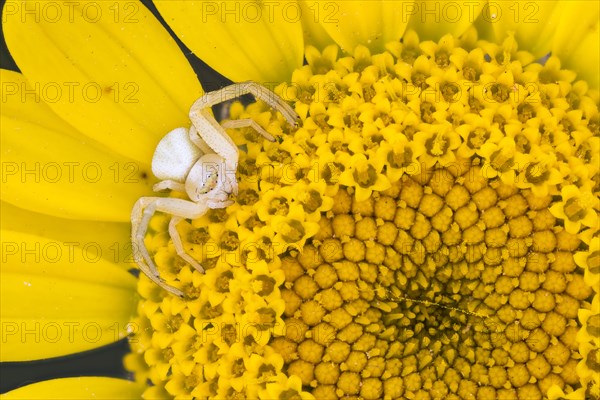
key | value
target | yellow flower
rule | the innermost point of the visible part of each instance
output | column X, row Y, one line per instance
column 578, row 207
column 437, row 143
column 445, row 248
column 286, row 389
column 475, row 133
column 365, row 176
column 538, row 171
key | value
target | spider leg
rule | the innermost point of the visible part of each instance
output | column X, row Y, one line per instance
column 140, row 218
column 242, row 123
column 174, row 233
column 201, row 144
column 239, row 89
column 139, row 226
column 214, row 135
column 169, row 184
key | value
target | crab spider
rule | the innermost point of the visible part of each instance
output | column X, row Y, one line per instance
column 200, row 161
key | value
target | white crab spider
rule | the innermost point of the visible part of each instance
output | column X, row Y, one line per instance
column 200, row 161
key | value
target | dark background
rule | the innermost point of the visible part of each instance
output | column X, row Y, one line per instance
column 108, row 360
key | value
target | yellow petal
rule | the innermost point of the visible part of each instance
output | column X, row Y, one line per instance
column 55, row 301
column 111, row 240
column 48, row 167
column 314, row 34
column 78, row 389
column 243, row 40
column 107, row 68
column 534, row 23
column 577, row 39
column 368, row 23
column 432, row 19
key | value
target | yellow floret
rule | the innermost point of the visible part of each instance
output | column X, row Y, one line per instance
column 292, row 301
column 312, row 312
column 420, row 228
column 498, row 376
column 520, row 226
column 347, row 271
column 519, row 299
column 355, row 362
column 327, row 373
column 457, row 197
column 338, row 351
column 343, row 225
column 473, row 235
column 285, row 348
column 569, row 372
column 539, row 367
column 364, row 208
column 354, row 250
column 310, row 351
column 342, row 202
column 442, row 220
column 474, row 180
column 529, row 391
column 325, row 276
column 466, row 216
column 371, row 389
column 386, row 233
column 330, row 299
column 529, row 281
column 578, row 289
column 292, row 268
column 485, row 198
column 404, row 217
column 331, row 250
column 566, row 241
column 339, row 318
column 385, row 208
column 411, row 192
column 350, row 333
column 557, row 354
column 430, row 204
column 514, row 206
column 309, row 258
column 554, row 324
column 538, row 340
column 544, row 241
column 295, row 330
column 493, row 217
column 366, row 229
column 375, row 253
column 555, row 282
column 325, row 392
column 304, row 370
column 305, row 287
column 518, row 375
column 563, row 262
column 349, row 383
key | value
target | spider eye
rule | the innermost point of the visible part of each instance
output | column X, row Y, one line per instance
column 210, row 182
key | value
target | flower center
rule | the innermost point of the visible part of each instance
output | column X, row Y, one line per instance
column 391, row 263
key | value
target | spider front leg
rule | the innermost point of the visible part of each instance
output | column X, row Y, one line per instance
column 239, row 89
column 243, row 123
column 170, row 185
column 176, row 238
column 143, row 211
